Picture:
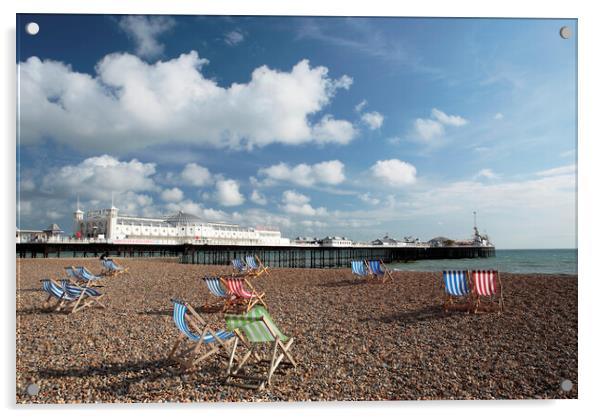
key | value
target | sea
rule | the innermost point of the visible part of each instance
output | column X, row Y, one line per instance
column 510, row 261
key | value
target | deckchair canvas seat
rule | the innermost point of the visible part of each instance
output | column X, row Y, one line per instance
column 82, row 274
column 378, row 269
column 457, row 290
column 217, row 288
column 487, row 287
column 360, row 268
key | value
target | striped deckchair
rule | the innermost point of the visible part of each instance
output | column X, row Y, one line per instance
column 69, row 295
column 378, row 269
column 236, row 286
column 71, row 273
column 83, row 296
column 239, row 266
column 255, row 266
column 255, row 328
column 217, row 288
column 110, row 268
column 82, row 275
column 200, row 335
column 487, row 285
column 56, row 291
column 457, row 290
column 360, row 268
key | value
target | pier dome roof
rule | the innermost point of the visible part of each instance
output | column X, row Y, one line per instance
column 183, row 218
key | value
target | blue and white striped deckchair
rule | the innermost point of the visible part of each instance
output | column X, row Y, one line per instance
column 378, row 269
column 239, row 265
column 217, row 289
column 71, row 272
column 57, row 292
column 255, row 266
column 87, row 295
column 253, row 328
column 457, row 289
column 111, row 268
column 82, row 274
column 184, row 314
column 359, row 268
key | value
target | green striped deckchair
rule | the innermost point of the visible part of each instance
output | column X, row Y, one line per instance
column 254, row 328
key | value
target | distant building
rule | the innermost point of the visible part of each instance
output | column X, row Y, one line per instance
column 307, row 241
column 441, row 242
column 30, row 235
column 53, row 231
column 181, row 227
column 336, row 242
column 386, row 240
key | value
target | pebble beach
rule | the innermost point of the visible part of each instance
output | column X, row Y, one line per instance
column 355, row 339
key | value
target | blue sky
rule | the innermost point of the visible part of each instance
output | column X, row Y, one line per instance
column 318, row 126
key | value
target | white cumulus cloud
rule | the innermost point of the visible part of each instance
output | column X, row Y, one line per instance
column 428, row 129
column 374, row 120
column 227, row 193
column 145, row 30
column 98, row 177
column 327, row 172
column 330, row 130
column 258, row 198
column 129, row 104
column 394, row 172
column 298, row 204
column 172, row 195
column 196, row 175
column 434, row 127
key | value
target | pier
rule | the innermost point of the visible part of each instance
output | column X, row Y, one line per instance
column 272, row 256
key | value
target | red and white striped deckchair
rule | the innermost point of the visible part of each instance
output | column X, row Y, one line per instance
column 487, row 286
column 236, row 286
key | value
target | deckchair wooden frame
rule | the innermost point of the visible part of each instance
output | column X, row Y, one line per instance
column 189, row 357
column 91, row 300
column 255, row 298
column 458, row 303
column 496, row 299
column 274, row 361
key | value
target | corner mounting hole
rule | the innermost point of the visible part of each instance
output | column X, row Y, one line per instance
column 32, row 28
